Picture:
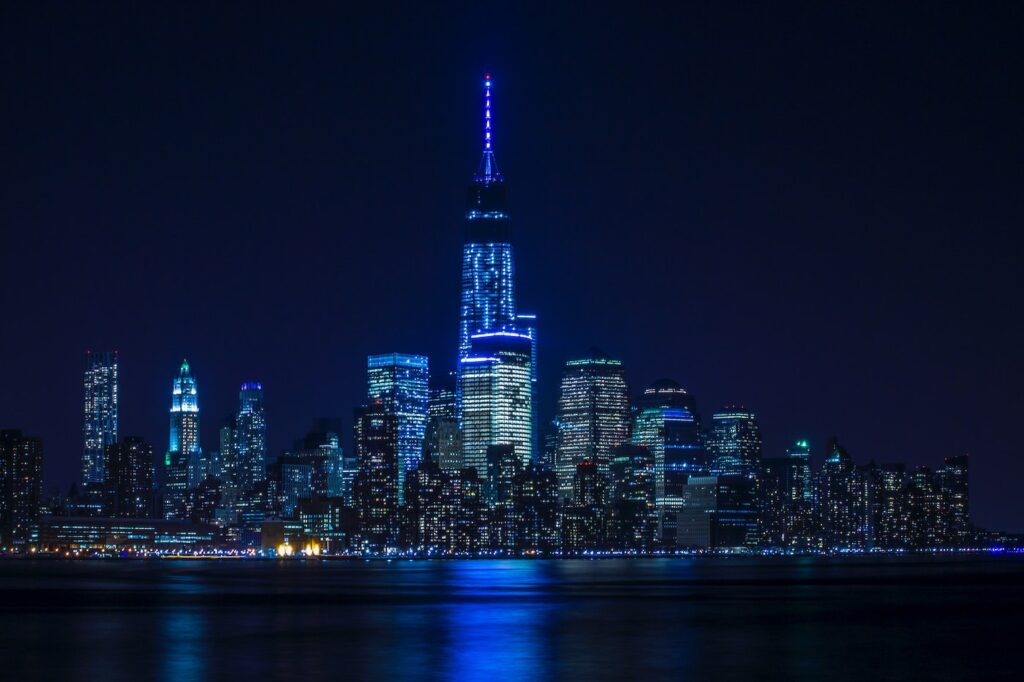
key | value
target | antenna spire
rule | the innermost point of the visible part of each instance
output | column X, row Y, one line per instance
column 487, row 172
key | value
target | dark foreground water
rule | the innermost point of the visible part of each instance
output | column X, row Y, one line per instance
column 792, row 618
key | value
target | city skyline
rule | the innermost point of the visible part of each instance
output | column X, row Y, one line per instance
column 704, row 357
column 442, row 472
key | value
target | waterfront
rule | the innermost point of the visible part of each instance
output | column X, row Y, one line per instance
column 730, row 618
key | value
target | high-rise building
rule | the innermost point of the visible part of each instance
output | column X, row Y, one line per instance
column 401, row 383
column 182, row 462
column 443, row 440
column 21, row 477
column 251, row 436
column 593, row 415
column 100, row 413
column 840, row 502
column 375, row 490
column 442, row 402
column 718, row 512
column 535, row 499
column 667, row 422
column 488, row 297
column 130, row 478
column 526, row 323
column 251, row 495
column 292, row 478
column 321, row 448
column 798, row 497
column 584, row 518
column 734, row 442
column 925, row 516
column 497, row 397
column 887, row 519
column 952, row 477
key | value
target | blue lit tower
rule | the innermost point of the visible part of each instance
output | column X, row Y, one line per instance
column 400, row 383
column 488, row 298
column 182, row 460
column 100, row 428
column 251, row 437
column 668, row 424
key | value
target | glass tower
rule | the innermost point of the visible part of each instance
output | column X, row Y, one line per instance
column 593, row 415
column 488, row 298
column 668, row 424
column 497, row 397
column 400, row 383
column 250, row 437
column 100, row 413
column 734, row 442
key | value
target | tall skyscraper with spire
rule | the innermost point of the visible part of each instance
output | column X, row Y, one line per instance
column 182, row 460
column 488, row 296
column 488, row 303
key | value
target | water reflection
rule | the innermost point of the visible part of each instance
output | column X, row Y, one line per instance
column 723, row 619
column 183, row 642
column 498, row 625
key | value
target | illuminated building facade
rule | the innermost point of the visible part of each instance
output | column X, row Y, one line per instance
column 734, row 442
column 130, row 477
column 251, row 495
column 375, row 490
column 497, row 397
column 321, row 449
column 840, row 502
column 926, row 517
column 401, row 384
column 535, row 497
column 718, row 512
column 952, row 478
column 21, row 476
column 593, row 415
column 667, row 423
column 583, row 519
column 182, row 462
column 488, row 299
column 100, row 413
column 250, row 436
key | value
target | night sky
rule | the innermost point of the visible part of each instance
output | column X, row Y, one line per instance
column 810, row 210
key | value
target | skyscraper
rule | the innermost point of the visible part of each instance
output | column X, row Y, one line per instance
column 444, row 438
column 376, row 486
column 593, row 415
column 183, row 452
column 130, row 478
column 952, row 477
column 497, row 397
column 400, row 383
column 526, row 323
column 734, row 442
column 250, row 436
column 100, row 413
column 488, row 298
column 840, row 501
column 668, row 424
column 21, row 477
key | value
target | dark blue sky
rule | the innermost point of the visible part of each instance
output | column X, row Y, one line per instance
column 811, row 210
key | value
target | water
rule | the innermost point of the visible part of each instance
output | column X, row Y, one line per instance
column 787, row 618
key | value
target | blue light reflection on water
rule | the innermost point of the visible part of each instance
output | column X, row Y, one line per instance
column 729, row 619
column 184, row 635
column 498, row 626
